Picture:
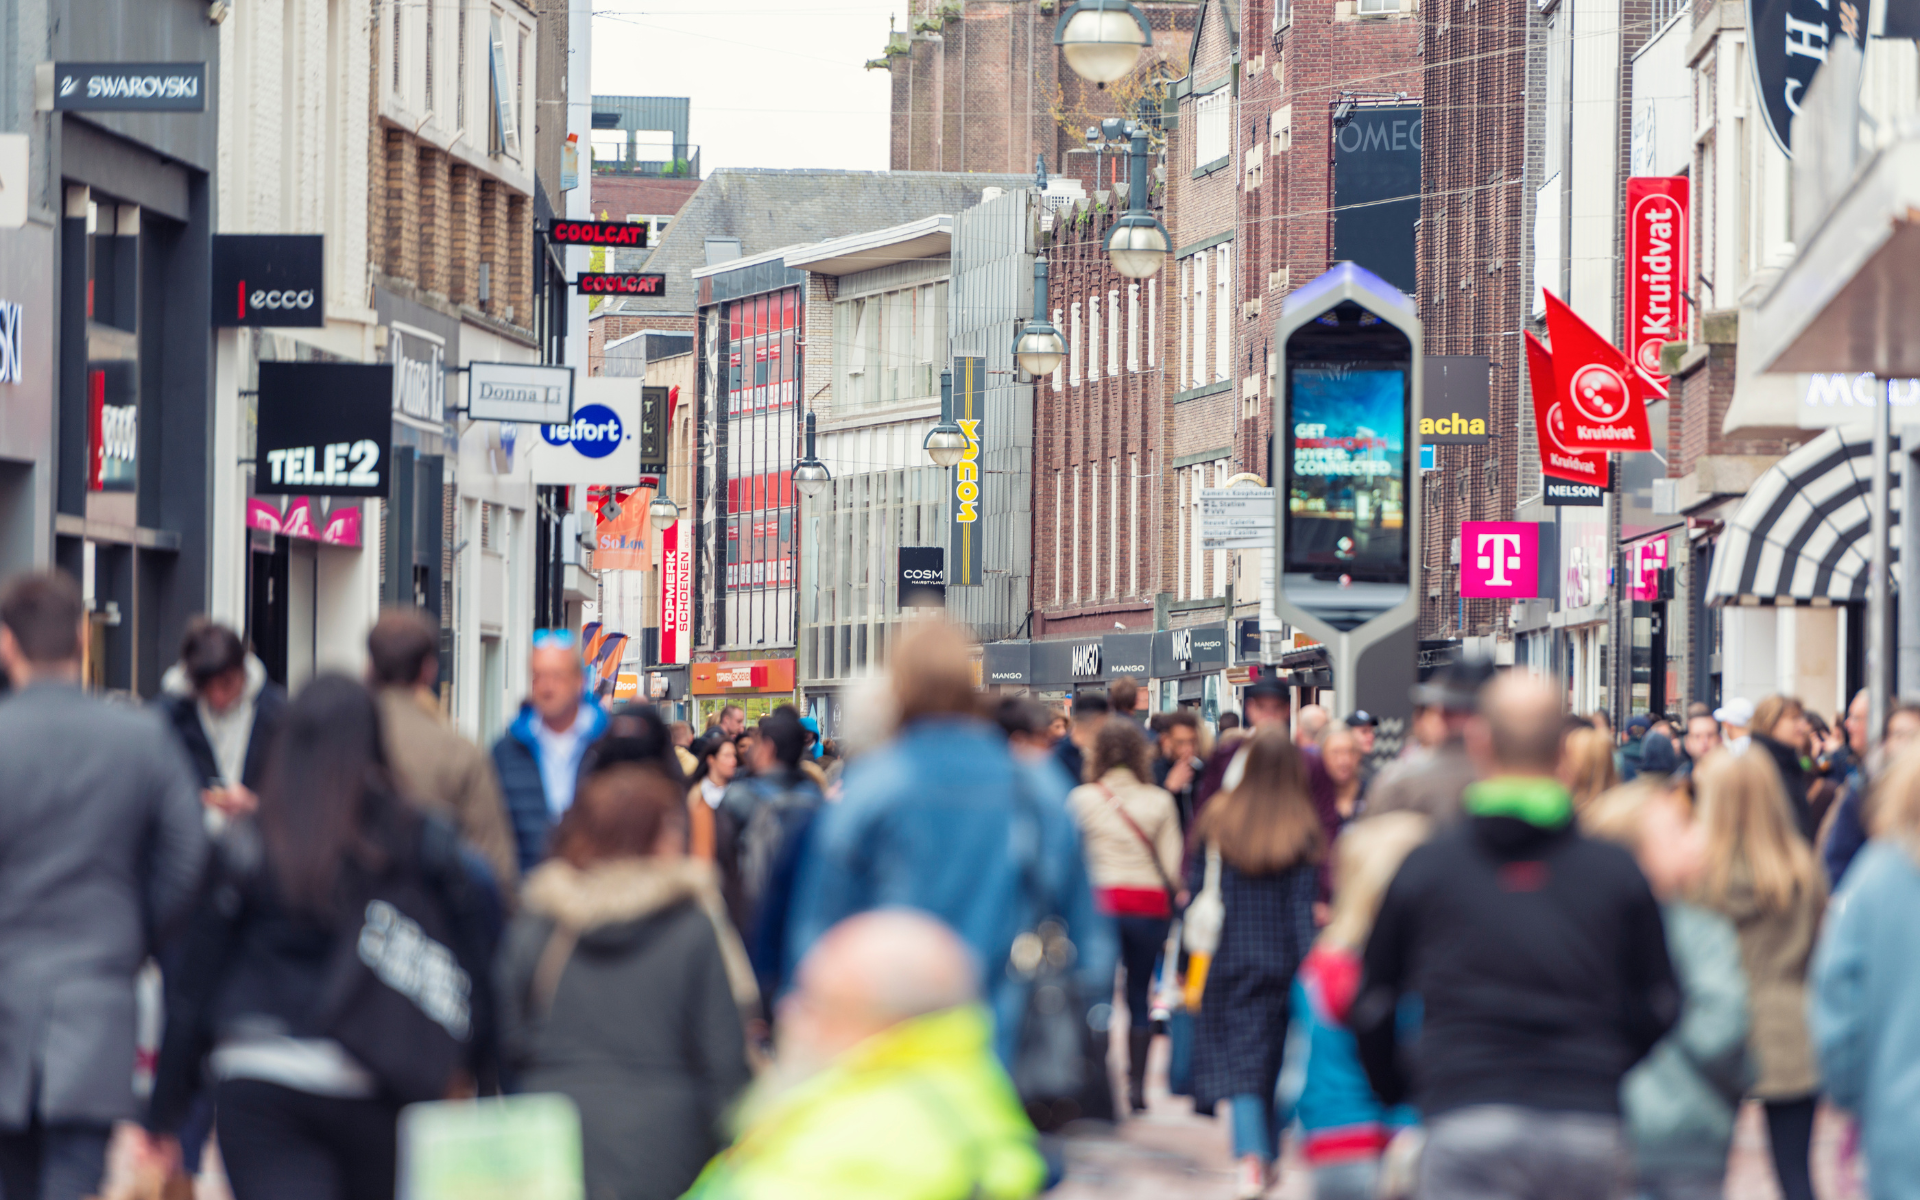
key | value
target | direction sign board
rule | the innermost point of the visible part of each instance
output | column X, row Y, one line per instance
column 1236, row 518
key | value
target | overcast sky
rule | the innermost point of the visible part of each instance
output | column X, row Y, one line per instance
column 774, row 83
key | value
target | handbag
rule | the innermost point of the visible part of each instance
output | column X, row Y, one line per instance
column 1153, row 855
column 1201, row 923
column 1059, row 1060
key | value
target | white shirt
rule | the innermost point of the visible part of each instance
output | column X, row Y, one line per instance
column 560, row 754
column 711, row 792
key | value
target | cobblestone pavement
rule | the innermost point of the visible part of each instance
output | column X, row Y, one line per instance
column 1171, row 1154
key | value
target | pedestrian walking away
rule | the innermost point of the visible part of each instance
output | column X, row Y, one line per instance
column 1435, row 768
column 1344, row 1127
column 886, row 1086
column 1681, row 1101
column 1131, row 832
column 334, row 971
column 433, row 766
column 622, row 986
column 1268, row 841
column 1762, row 876
column 224, row 710
column 538, row 758
column 104, row 847
column 764, row 821
column 1866, row 988
column 1541, row 968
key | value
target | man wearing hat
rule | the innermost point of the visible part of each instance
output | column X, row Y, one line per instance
column 1735, row 717
column 1636, row 745
column 1267, row 704
column 1433, row 772
column 1366, row 730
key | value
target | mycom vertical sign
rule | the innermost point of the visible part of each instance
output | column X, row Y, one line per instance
column 969, row 479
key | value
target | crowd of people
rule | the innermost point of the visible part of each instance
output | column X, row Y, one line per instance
column 1521, row 958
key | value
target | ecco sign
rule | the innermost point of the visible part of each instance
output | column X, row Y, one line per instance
column 599, row 445
column 269, row 279
column 326, row 429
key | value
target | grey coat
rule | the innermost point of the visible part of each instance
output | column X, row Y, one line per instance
column 620, row 987
column 102, row 845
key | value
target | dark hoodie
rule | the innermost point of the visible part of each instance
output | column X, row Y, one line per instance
column 1538, row 957
column 1793, row 776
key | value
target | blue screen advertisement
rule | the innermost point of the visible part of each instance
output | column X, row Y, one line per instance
column 1346, row 487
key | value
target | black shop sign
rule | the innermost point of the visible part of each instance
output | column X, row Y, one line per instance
column 1197, row 649
column 123, row 87
column 326, row 429
column 923, row 576
column 269, row 279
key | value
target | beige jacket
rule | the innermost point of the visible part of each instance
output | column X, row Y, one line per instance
column 444, row 773
column 1116, row 856
column 1775, row 949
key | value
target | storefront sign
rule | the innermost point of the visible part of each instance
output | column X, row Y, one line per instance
column 1558, row 460
column 1788, row 42
column 620, row 283
column 1583, row 557
column 339, row 526
column 923, row 577
column 1455, row 400
column 1006, row 664
column 113, row 427
column 1563, row 492
column 969, row 531
column 13, row 362
column 626, row 686
column 1601, row 397
column 656, row 412
column 599, row 445
column 620, row 542
column 122, row 87
column 419, row 374
column 1236, row 518
column 756, row 675
column 1196, row 649
column 1656, row 270
column 539, row 395
column 631, row 234
column 1649, row 559
column 1499, row 560
column 1128, row 654
column 269, row 279
column 325, row 429
column 676, row 592
column 1376, row 192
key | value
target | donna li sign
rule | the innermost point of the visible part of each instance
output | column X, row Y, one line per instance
column 326, row 429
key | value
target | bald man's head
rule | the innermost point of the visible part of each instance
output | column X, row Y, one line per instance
column 871, row 972
column 1308, row 724
column 1522, row 713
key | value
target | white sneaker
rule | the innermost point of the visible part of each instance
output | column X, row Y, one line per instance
column 1250, row 1178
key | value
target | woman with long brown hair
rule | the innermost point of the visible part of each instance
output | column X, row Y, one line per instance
column 1586, row 765
column 1260, row 848
column 1780, row 727
column 1762, row 876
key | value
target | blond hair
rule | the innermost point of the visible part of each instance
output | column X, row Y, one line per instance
column 1892, row 809
column 1267, row 823
column 1366, row 858
column 1619, row 814
column 1743, row 807
column 1587, row 759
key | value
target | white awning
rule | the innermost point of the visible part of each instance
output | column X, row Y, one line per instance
column 1801, row 535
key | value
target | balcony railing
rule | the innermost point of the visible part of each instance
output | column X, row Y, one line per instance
column 687, row 167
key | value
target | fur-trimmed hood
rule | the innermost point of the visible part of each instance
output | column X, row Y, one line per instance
column 607, row 902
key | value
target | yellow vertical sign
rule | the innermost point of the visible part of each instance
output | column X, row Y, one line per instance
column 969, row 474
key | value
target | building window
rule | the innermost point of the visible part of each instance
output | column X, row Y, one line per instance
column 1200, row 373
column 1211, row 117
column 886, row 345
column 1057, row 318
column 1113, row 331
column 1180, row 535
column 1376, row 7
column 460, row 69
column 1076, row 532
column 1197, row 479
column 1222, row 326
column 1180, row 301
column 1093, row 335
column 502, row 75
column 1059, row 515
column 1074, row 347
column 1133, row 327
column 428, row 92
column 1153, row 321
column 1219, row 556
column 1113, row 527
column 1134, row 540
column 1280, row 129
column 1093, row 528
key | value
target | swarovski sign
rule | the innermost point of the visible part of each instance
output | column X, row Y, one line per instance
column 121, row 87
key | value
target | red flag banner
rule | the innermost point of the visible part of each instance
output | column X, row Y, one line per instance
column 1556, row 457
column 1656, row 270
column 1601, row 397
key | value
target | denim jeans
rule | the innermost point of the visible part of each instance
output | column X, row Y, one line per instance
column 1253, row 1131
column 57, row 1162
column 1503, row 1152
column 1356, row 1180
column 1141, row 940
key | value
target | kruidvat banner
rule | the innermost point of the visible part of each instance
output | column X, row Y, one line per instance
column 1499, row 560
column 1656, row 271
column 1557, row 458
column 676, row 592
column 1602, row 398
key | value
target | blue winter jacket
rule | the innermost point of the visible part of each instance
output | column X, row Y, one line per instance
column 1322, row 1084
column 1866, row 1012
column 931, row 821
column 516, row 759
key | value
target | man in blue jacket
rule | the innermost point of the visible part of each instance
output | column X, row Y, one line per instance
column 943, row 819
column 538, row 758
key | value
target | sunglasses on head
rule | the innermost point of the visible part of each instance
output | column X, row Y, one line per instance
column 553, row 639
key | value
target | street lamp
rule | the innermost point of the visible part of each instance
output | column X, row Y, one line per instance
column 810, row 475
column 1102, row 39
column 662, row 513
column 946, row 442
column 1038, row 347
column 1138, row 243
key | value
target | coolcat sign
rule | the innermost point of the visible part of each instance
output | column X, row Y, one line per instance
column 1656, row 270
column 631, row 234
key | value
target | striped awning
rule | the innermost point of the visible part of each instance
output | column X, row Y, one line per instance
column 1801, row 535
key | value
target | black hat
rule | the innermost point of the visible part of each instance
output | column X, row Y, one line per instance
column 1455, row 686
column 1361, row 716
column 1657, row 756
column 1269, row 686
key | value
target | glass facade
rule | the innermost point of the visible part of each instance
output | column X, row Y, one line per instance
column 854, row 536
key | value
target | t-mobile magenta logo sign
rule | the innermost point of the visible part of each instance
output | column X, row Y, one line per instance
column 1499, row 560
